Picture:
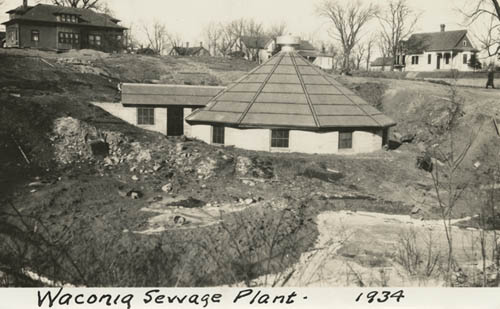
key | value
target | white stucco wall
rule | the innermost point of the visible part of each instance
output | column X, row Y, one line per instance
column 202, row 132
column 129, row 114
column 299, row 141
column 250, row 139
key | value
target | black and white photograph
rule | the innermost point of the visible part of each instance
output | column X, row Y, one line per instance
column 250, row 144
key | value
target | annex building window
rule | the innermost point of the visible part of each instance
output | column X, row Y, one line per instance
column 145, row 116
column 35, row 36
column 429, row 59
column 414, row 59
column 465, row 59
column 345, row 140
column 280, row 138
column 218, row 135
column 447, row 58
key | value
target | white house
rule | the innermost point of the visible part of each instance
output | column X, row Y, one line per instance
column 444, row 50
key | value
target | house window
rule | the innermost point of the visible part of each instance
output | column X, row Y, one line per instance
column 429, row 59
column 35, row 36
column 345, row 140
column 73, row 18
column 465, row 43
column 414, row 59
column 447, row 58
column 280, row 138
column 465, row 59
column 218, row 135
column 76, row 38
column 145, row 116
column 98, row 40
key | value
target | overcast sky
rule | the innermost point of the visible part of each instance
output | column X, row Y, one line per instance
column 188, row 17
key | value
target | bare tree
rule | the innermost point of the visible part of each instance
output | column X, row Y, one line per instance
column 485, row 13
column 397, row 22
column 277, row 29
column 347, row 21
column 369, row 49
column 157, row 36
column 383, row 46
column 212, row 35
column 359, row 54
column 84, row 4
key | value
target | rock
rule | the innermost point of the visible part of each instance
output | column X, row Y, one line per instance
column 179, row 220
column 249, row 201
column 35, row 184
column 397, row 136
column 135, row 178
column 477, row 164
column 203, row 186
column 108, row 161
column 243, row 165
column 415, row 210
column 133, row 169
column 144, row 156
column 421, row 146
column 248, row 182
column 424, row 162
column 206, row 168
column 134, row 195
column 167, row 188
column 180, row 147
column 157, row 167
column 408, row 138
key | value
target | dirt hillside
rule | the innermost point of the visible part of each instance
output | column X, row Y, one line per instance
column 99, row 202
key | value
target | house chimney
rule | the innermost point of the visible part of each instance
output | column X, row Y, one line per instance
column 25, row 3
column 201, row 44
column 187, row 44
column 443, row 27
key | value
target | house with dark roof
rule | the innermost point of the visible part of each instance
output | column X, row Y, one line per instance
column 287, row 104
column 62, row 28
column 443, row 50
column 187, row 51
column 381, row 64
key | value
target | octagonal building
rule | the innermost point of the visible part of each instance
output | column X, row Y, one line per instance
column 289, row 105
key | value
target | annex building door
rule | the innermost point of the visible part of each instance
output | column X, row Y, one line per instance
column 175, row 121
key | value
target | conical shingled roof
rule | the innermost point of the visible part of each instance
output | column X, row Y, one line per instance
column 288, row 91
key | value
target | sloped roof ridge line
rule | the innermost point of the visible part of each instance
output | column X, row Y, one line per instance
column 308, row 98
column 212, row 102
column 259, row 91
column 234, row 84
column 349, row 98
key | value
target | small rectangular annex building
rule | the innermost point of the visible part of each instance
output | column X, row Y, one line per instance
column 160, row 108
